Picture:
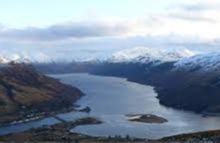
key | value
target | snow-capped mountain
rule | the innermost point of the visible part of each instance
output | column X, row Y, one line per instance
column 184, row 59
column 134, row 55
column 43, row 58
column 202, row 63
column 14, row 58
column 146, row 55
column 3, row 59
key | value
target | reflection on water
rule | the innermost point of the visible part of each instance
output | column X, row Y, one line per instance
column 111, row 99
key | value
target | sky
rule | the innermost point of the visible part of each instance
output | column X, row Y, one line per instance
column 39, row 13
column 89, row 29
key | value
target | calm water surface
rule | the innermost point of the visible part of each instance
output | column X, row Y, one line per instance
column 111, row 99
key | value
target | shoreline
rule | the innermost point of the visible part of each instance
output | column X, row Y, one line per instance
column 44, row 115
column 40, row 116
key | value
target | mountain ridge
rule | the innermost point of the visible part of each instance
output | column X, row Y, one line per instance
column 146, row 55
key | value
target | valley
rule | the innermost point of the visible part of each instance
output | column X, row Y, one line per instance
column 118, row 71
column 170, row 86
column 187, row 82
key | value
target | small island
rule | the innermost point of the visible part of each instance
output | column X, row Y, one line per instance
column 146, row 118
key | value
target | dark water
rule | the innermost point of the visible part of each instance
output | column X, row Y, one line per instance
column 111, row 99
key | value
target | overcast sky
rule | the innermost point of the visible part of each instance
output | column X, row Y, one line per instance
column 97, row 28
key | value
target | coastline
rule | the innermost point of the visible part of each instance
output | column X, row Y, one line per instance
column 40, row 116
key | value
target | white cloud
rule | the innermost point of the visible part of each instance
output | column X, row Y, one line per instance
column 64, row 31
column 198, row 18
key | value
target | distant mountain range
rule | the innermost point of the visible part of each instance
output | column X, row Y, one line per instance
column 14, row 58
column 183, row 59
column 138, row 54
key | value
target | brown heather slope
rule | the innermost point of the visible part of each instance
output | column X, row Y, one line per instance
column 23, row 91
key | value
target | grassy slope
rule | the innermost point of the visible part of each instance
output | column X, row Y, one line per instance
column 22, row 88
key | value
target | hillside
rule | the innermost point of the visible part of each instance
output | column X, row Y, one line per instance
column 24, row 91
